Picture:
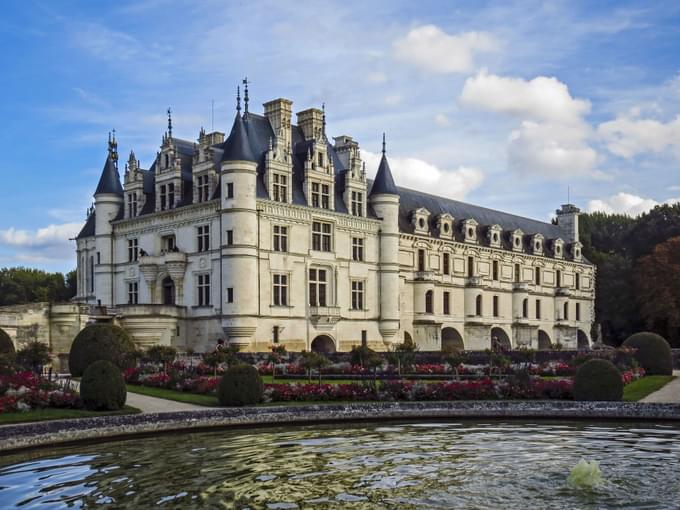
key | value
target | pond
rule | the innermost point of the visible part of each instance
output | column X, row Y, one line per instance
column 398, row 465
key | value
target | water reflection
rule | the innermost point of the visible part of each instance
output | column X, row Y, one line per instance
column 435, row 465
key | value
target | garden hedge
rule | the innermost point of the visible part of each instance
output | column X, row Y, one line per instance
column 652, row 352
column 6, row 344
column 100, row 342
column 241, row 385
column 598, row 379
column 102, row 387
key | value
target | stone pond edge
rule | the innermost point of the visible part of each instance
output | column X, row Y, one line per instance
column 37, row 434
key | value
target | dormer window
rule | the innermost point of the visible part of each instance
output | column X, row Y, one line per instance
column 280, row 188
column 558, row 248
column 320, row 159
column 357, row 203
column 445, row 226
column 576, row 251
column 167, row 160
column 494, row 236
column 537, row 244
column 469, row 230
column 132, row 205
column 420, row 220
column 321, row 195
column 516, row 239
column 203, row 183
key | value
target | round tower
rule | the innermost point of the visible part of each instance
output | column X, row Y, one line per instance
column 384, row 199
column 239, row 234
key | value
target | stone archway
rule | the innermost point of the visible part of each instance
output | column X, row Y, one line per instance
column 452, row 340
column 323, row 344
column 500, row 339
column 582, row 341
column 544, row 342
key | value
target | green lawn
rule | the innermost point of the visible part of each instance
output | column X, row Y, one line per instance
column 51, row 413
column 637, row 390
column 178, row 396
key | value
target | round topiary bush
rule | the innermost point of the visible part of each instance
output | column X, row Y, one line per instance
column 241, row 385
column 100, row 342
column 598, row 379
column 652, row 352
column 6, row 344
column 102, row 387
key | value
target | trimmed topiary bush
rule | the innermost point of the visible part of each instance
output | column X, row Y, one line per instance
column 241, row 385
column 102, row 387
column 6, row 344
column 598, row 379
column 101, row 342
column 652, row 352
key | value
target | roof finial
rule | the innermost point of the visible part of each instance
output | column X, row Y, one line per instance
column 169, row 123
column 323, row 119
column 245, row 95
column 238, row 98
column 113, row 148
column 383, row 148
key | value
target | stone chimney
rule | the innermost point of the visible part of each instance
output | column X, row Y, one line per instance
column 311, row 123
column 567, row 220
column 279, row 113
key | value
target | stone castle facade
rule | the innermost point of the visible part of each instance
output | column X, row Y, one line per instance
column 275, row 235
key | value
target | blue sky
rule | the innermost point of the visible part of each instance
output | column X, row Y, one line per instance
column 503, row 104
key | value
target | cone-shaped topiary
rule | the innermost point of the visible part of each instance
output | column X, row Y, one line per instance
column 102, row 387
column 6, row 344
column 241, row 385
column 100, row 341
column 598, row 379
column 652, row 352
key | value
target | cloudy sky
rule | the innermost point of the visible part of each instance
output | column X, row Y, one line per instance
column 504, row 104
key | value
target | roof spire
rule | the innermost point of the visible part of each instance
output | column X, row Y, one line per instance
column 245, row 95
column 169, row 122
column 383, row 182
column 323, row 119
column 113, row 148
column 238, row 98
column 383, row 148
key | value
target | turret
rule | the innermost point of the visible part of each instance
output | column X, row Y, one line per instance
column 567, row 219
column 108, row 199
column 384, row 199
column 238, row 169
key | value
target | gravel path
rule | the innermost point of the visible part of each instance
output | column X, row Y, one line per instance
column 669, row 394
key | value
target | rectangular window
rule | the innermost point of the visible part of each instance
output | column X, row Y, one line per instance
column 325, row 196
column 203, row 182
column 316, row 194
column 421, row 260
column 446, row 269
column 133, row 250
column 517, row 273
column 357, row 295
column 133, row 293
column 164, row 198
column 558, row 278
column 318, row 286
column 230, row 295
column 280, row 238
column 280, row 289
column 494, row 270
column 537, row 278
column 538, row 308
column 230, row 190
column 171, row 195
column 203, row 290
column 495, row 306
column 471, row 266
column 578, row 311
column 203, row 238
column 275, row 334
column 447, row 303
column 364, row 338
column 280, row 188
column 357, row 203
column 358, row 249
column 99, row 258
column 168, row 243
column 91, row 273
column 321, row 236
column 577, row 280
column 320, row 159
column 230, row 237
column 132, row 205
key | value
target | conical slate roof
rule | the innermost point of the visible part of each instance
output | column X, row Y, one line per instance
column 109, row 182
column 237, row 147
column 384, row 182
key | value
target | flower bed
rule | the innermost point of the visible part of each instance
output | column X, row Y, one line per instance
column 24, row 391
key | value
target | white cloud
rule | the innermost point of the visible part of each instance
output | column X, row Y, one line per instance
column 376, row 77
column 442, row 120
column 393, row 99
column 46, row 236
column 626, row 203
column 627, row 136
column 430, row 48
column 417, row 174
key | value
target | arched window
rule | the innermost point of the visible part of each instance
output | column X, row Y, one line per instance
column 538, row 276
column 478, row 305
column 566, row 311
column 525, row 308
column 429, row 302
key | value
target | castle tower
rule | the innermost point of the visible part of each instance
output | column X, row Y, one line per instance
column 239, row 236
column 385, row 201
column 108, row 199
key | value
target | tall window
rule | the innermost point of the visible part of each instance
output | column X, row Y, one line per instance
column 537, row 276
column 280, row 289
column 230, row 294
column 321, row 195
column 478, row 305
column 321, row 236
column 471, row 266
column 446, row 263
column 203, row 183
column 280, row 188
column 577, row 280
column 578, row 311
column 203, row 238
column 447, row 303
column 133, row 293
column 318, row 286
column 566, row 311
column 168, row 243
column 132, row 205
column 203, row 290
column 538, row 308
column 517, row 273
column 558, row 278
column 357, row 203
column 421, row 260
column 494, row 270
column 230, row 237
column 171, row 195
column 357, row 295
column 230, row 190
column 496, row 312
column 319, row 159
column 358, row 249
column 280, row 238
column 133, row 250
column 525, row 308
column 164, row 197
column 429, row 302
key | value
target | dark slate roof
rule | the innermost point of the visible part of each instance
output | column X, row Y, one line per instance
column 384, row 182
column 109, row 182
column 237, row 147
column 88, row 229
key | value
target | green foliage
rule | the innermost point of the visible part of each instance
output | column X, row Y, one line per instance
column 161, row 354
column 20, row 285
column 6, row 344
column 598, row 379
column 102, row 387
column 652, row 352
column 360, row 354
column 8, row 364
column 226, row 354
column 241, row 385
column 277, row 355
column 403, row 355
column 313, row 361
column 101, row 342
column 33, row 356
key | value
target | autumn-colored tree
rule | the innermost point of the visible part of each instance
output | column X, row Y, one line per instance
column 657, row 282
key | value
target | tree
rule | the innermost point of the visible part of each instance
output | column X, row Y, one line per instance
column 33, row 356
column 454, row 357
column 403, row 355
column 313, row 361
column 20, row 285
column 657, row 280
column 277, row 355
